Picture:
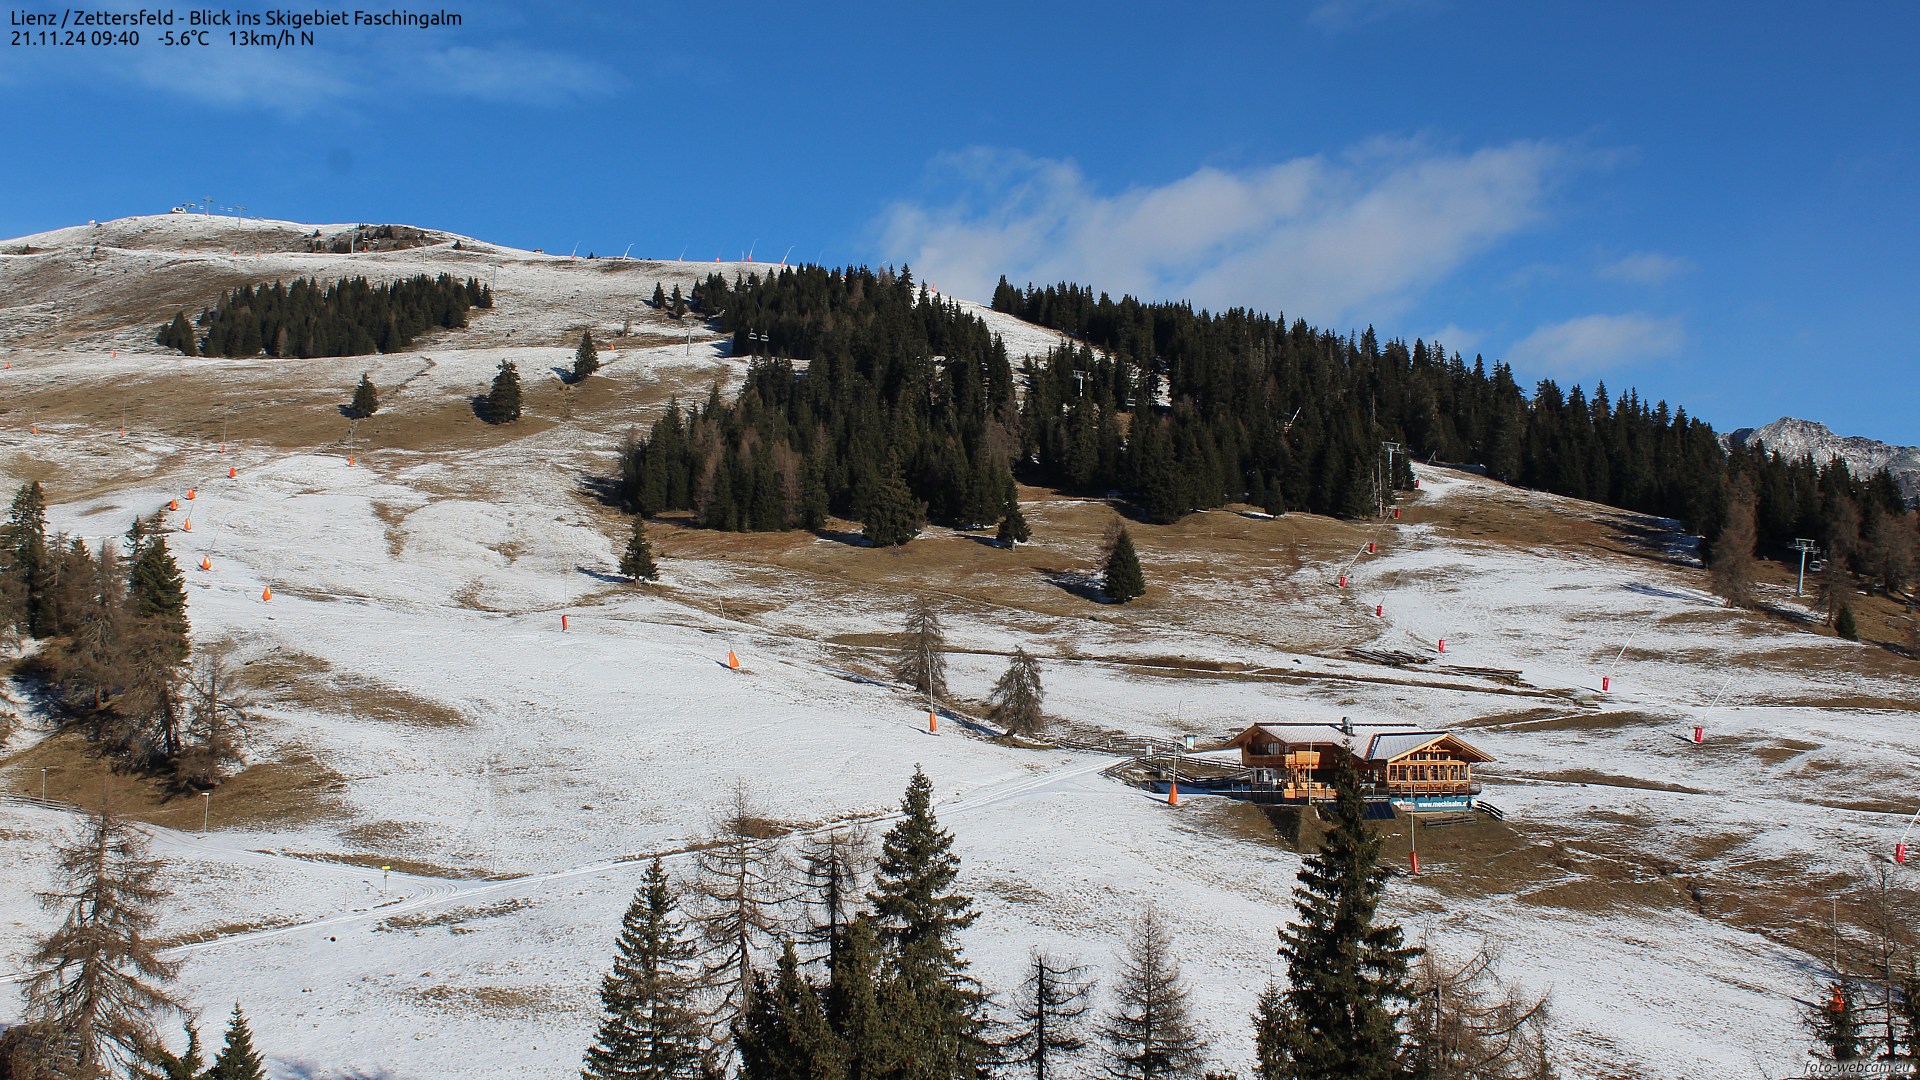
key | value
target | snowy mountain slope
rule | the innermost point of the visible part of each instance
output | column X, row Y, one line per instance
column 1796, row 439
column 415, row 639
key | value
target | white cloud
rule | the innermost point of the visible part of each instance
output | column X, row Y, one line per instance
column 1645, row 268
column 1456, row 339
column 1361, row 235
column 516, row 75
column 238, row 77
column 1595, row 343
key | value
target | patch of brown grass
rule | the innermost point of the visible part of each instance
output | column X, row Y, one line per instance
column 454, row 919
column 308, row 682
column 516, row 1002
column 291, row 789
column 396, row 864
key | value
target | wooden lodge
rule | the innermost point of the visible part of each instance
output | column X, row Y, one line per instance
column 1413, row 769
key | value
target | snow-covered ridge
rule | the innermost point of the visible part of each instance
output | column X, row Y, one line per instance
column 1799, row 438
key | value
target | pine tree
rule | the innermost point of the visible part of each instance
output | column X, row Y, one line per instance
column 158, row 592
column 922, row 663
column 97, row 978
column 178, row 334
column 1149, row 1033
column 237, row 1059
column 918, row 916
column 502, row 403
column 893, row 516
column 1123, row 580
column 659, row 297
column 1013, row 524
column 784, row 1034
column 1018, row 695
column 1047, row 1014
column 650, row 1029
column 636, row 561
column 861, row 1002
column 1845, row 624
column 366, row 399
column 586, row 358
column 1835, row 1024
column 25, row 560
column 1348, row 972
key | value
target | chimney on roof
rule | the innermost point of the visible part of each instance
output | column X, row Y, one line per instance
column 1346, row 726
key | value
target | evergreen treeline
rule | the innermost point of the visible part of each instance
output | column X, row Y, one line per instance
column 1292, row 417
column 348, row 318
column 875, row 399
column 871, row 399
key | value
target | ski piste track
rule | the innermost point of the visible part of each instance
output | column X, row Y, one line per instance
column 419, row 892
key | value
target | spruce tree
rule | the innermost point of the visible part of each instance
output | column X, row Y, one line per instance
column 636, row 561
column 1348, row 972
column 503, row 398
column 1123, row 580
column 1018, row 695
column 1835, row 1024
column 862, row 1007
column 784, row 1034
column 893, row 516
column 1047, row 1014
column 1845, row 624
column 97, row 979
column 1013, row 524
column 366, row 400
column 659, row 297
column 178, row 334
column 919, row 916
column 1149, row 1033
column 651, row 1029
column 25, row 560
column 586, row 358
column 158, row 592
column 237, row 1059
column 922, row 663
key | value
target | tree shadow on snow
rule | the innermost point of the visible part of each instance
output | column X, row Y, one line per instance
column 840, row 536
column 1645, row 589
column 1084, row 586
column 301, row 1070
column 602, row 576
column 604, row 490
column 1655, row 538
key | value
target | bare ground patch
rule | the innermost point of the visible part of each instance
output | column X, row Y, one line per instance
column 455, row 919
column 293, row 788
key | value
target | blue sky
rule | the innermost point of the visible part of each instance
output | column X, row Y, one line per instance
column 1715, row 203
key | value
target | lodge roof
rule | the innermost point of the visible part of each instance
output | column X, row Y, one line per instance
column 1369, row 742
